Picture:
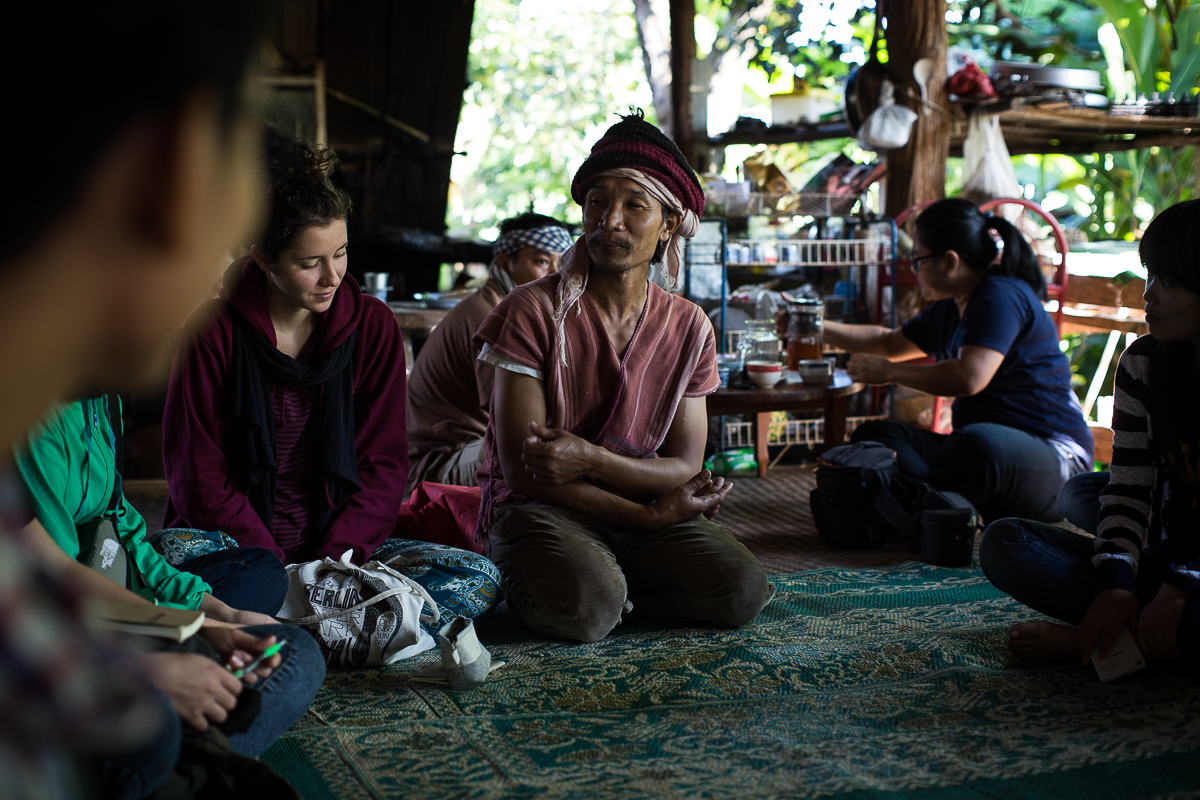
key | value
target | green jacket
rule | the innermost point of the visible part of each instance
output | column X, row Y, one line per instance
column 70, row 469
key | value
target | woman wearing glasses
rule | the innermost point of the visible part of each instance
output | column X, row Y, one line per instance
column 1018, row 430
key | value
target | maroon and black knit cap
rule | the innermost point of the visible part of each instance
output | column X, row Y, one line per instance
column 636, row 144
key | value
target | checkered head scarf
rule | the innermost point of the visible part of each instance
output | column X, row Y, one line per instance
column 633, row 149
column 551, row 238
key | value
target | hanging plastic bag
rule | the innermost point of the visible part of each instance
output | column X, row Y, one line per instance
column 986, row 161
column 889, row 125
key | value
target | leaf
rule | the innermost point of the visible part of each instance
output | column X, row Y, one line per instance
column 1136, row 27
column 1185, row 61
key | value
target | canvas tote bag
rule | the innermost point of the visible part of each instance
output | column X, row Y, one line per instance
column 364, row 616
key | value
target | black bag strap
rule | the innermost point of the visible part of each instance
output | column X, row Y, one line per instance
column 956, row 500
column 901, row 502
column 892, row 510
column 116, row 440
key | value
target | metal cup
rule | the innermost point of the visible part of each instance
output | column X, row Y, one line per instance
column 376, row 284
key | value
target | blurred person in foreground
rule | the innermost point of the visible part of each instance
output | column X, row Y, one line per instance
column 593, row 498
column 138, row 169
column 450, row 389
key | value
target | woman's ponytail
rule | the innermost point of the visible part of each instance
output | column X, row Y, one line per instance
column 983, row 241
column 1016, row 257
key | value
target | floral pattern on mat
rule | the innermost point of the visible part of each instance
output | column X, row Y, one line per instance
column 866, row 683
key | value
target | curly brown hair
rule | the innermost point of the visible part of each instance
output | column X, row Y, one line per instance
column 302, row 195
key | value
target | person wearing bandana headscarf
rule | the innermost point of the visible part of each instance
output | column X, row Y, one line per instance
column 450, row 390
column 593, row 500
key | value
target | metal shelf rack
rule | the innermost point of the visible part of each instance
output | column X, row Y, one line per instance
column 868, row 263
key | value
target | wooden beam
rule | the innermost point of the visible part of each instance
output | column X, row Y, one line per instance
column 1077, row 320
column 916, row 29
column 783, row 134
column 683, row 54
column 1096, row 291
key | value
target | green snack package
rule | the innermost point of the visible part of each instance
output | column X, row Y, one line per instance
column 732, row 462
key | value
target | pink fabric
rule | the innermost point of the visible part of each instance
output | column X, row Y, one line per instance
column 202, row 494
column 623, row 404
column 575, row 264
column 441, row 514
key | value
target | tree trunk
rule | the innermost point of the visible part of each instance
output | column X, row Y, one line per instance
column 653, row 19
column 916, row 29
column 683, row 56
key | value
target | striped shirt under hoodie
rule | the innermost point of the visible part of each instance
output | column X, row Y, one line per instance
column 1152, row 494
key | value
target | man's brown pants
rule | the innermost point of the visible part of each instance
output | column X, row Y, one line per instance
column 569, row 576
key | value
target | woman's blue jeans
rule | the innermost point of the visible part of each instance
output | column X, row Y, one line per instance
column 264, row 711
column 268, row 708
column 1004, row 472
column 245, row 578
column 1050, row 570
column 1080, row 502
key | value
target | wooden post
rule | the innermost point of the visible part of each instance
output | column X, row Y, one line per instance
column 916, row 29
column 683, row 54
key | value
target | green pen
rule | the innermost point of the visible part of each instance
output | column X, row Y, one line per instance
column 270, row 651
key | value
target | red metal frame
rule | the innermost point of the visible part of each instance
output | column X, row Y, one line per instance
column 1057, row 290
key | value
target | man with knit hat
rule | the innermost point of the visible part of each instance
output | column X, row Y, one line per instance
column 450, row 389
column 593, row 497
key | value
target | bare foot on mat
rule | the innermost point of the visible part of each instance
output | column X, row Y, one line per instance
column 1043, row 641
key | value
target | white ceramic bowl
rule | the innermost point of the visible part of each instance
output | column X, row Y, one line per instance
column 814, row 371
column 764, row 374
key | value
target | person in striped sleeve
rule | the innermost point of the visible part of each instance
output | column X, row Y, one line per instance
column 1142, row 569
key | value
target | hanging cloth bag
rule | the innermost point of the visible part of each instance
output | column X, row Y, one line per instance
column 889, row 125
column 861, row 95
column 366, row 616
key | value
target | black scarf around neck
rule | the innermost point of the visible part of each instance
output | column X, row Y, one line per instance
column 250, row 436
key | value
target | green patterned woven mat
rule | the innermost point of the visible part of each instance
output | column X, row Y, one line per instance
column 877, row 683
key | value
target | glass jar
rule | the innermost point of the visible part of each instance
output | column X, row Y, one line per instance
column 806, row 323
column 760, row 343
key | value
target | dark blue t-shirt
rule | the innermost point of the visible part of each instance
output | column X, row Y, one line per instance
column 1032, row 389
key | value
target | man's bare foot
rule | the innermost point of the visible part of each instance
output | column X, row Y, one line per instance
column 1043, row 641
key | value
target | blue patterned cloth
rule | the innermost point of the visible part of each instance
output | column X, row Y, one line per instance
column 177, row 545
column 462, row 583
column 551, row 238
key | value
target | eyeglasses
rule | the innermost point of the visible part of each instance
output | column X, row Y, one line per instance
column 916, row 261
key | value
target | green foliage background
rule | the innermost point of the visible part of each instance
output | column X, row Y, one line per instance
column 544, row 86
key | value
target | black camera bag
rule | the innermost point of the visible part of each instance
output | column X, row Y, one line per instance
column 849, row 479
column 939, row 525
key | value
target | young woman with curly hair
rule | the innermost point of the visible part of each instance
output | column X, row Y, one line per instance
column 284, row 425
column 284, row 421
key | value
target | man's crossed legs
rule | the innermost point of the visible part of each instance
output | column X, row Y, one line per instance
column 570, row 576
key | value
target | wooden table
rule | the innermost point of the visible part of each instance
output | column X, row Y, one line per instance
column 411, row 316
column 414, row 318
column 834, row 398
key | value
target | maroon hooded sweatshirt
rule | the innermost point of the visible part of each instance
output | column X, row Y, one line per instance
column 203, row 495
